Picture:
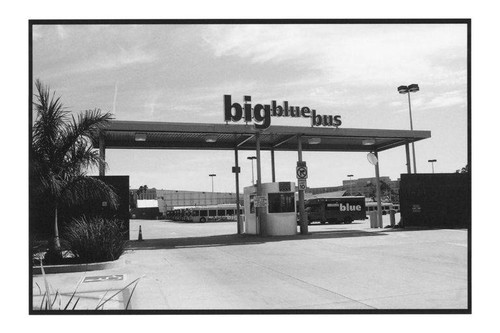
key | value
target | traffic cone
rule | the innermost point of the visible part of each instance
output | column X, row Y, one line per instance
column 140, row 234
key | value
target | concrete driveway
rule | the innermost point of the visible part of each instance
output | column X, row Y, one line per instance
column 203, row 266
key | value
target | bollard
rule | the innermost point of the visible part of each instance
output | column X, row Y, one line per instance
column 373, row 219
column 393, row 218
column 140, row 234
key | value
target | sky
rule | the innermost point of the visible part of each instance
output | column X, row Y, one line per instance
column 180, row 73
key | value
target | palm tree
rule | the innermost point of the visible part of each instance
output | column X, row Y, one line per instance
column 61, row 152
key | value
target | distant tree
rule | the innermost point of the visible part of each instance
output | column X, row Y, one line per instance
column 387, row 193
column 142, row 191
column 61, row 151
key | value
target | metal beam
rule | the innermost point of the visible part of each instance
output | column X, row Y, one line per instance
column 284, row 141
column 242, row 142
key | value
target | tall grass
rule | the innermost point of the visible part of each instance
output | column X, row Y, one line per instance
column 95, row 239
column 49, row 304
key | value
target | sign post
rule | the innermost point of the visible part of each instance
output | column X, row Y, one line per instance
column 301, row 179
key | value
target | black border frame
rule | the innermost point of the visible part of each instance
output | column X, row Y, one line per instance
column 466, row 21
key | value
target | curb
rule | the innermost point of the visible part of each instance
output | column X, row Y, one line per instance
column 97, row 266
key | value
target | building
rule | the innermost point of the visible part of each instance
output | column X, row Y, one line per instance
column 361, row 186
column 168, row 199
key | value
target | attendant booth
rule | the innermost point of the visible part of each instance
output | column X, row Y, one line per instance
column 278, row 214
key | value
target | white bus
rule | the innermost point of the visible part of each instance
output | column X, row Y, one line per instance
column 371, row 206
column 222, row 212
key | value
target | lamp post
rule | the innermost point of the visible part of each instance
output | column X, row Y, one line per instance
column 251, row 158
column 350, row 183
column 407, row 90
column 432, row 163
column 212, row 175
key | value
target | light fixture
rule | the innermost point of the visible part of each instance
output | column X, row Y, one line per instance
column 314, row 141
column 432, row 162
column 211, row 138
column 212, row 175
column 140, row 136
column 251, row 158
column 368, row 142
column 407, row 90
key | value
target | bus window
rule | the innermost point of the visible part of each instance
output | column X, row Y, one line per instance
column 212, row 212
column 230, row 212
column 221, row 212
column 195, row 212
column 203, row 213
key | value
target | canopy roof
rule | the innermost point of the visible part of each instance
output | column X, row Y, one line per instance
column 164, row 135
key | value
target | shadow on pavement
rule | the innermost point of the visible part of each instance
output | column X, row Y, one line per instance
column 235, row 239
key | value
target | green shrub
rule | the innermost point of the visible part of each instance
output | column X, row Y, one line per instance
column 95, row 239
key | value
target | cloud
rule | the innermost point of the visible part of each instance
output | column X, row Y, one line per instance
column 445, row 100
column 114, row 60
column 342, row 52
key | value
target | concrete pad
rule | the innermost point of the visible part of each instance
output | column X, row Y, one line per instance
column 202, row 266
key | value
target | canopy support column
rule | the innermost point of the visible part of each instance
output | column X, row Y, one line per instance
column 258, row 210
column 273, row 170
column 303, row 221
column 408, row 163
column 237, row 178
column 379, row 195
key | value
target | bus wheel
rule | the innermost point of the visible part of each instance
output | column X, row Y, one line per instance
column 203, row 220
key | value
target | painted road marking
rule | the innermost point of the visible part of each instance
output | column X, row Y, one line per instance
column 103, row 278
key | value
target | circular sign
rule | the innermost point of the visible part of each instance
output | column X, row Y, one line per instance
column 372, row 158
column 301, row 172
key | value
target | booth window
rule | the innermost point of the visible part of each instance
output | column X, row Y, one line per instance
column 252, row 204
column 281, row 202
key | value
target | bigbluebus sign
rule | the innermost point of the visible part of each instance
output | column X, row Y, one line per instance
column 261, row 113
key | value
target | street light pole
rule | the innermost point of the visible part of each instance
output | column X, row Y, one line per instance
column 407, row 90
column 432, row 163
column 350, row 184
column 212, row 175
column 251, row 158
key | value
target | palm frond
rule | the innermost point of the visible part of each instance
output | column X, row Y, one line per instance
column 85, row 127
column 82, row 188
column 50, row 121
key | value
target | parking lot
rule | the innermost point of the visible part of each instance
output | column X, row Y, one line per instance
column 202, row 266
